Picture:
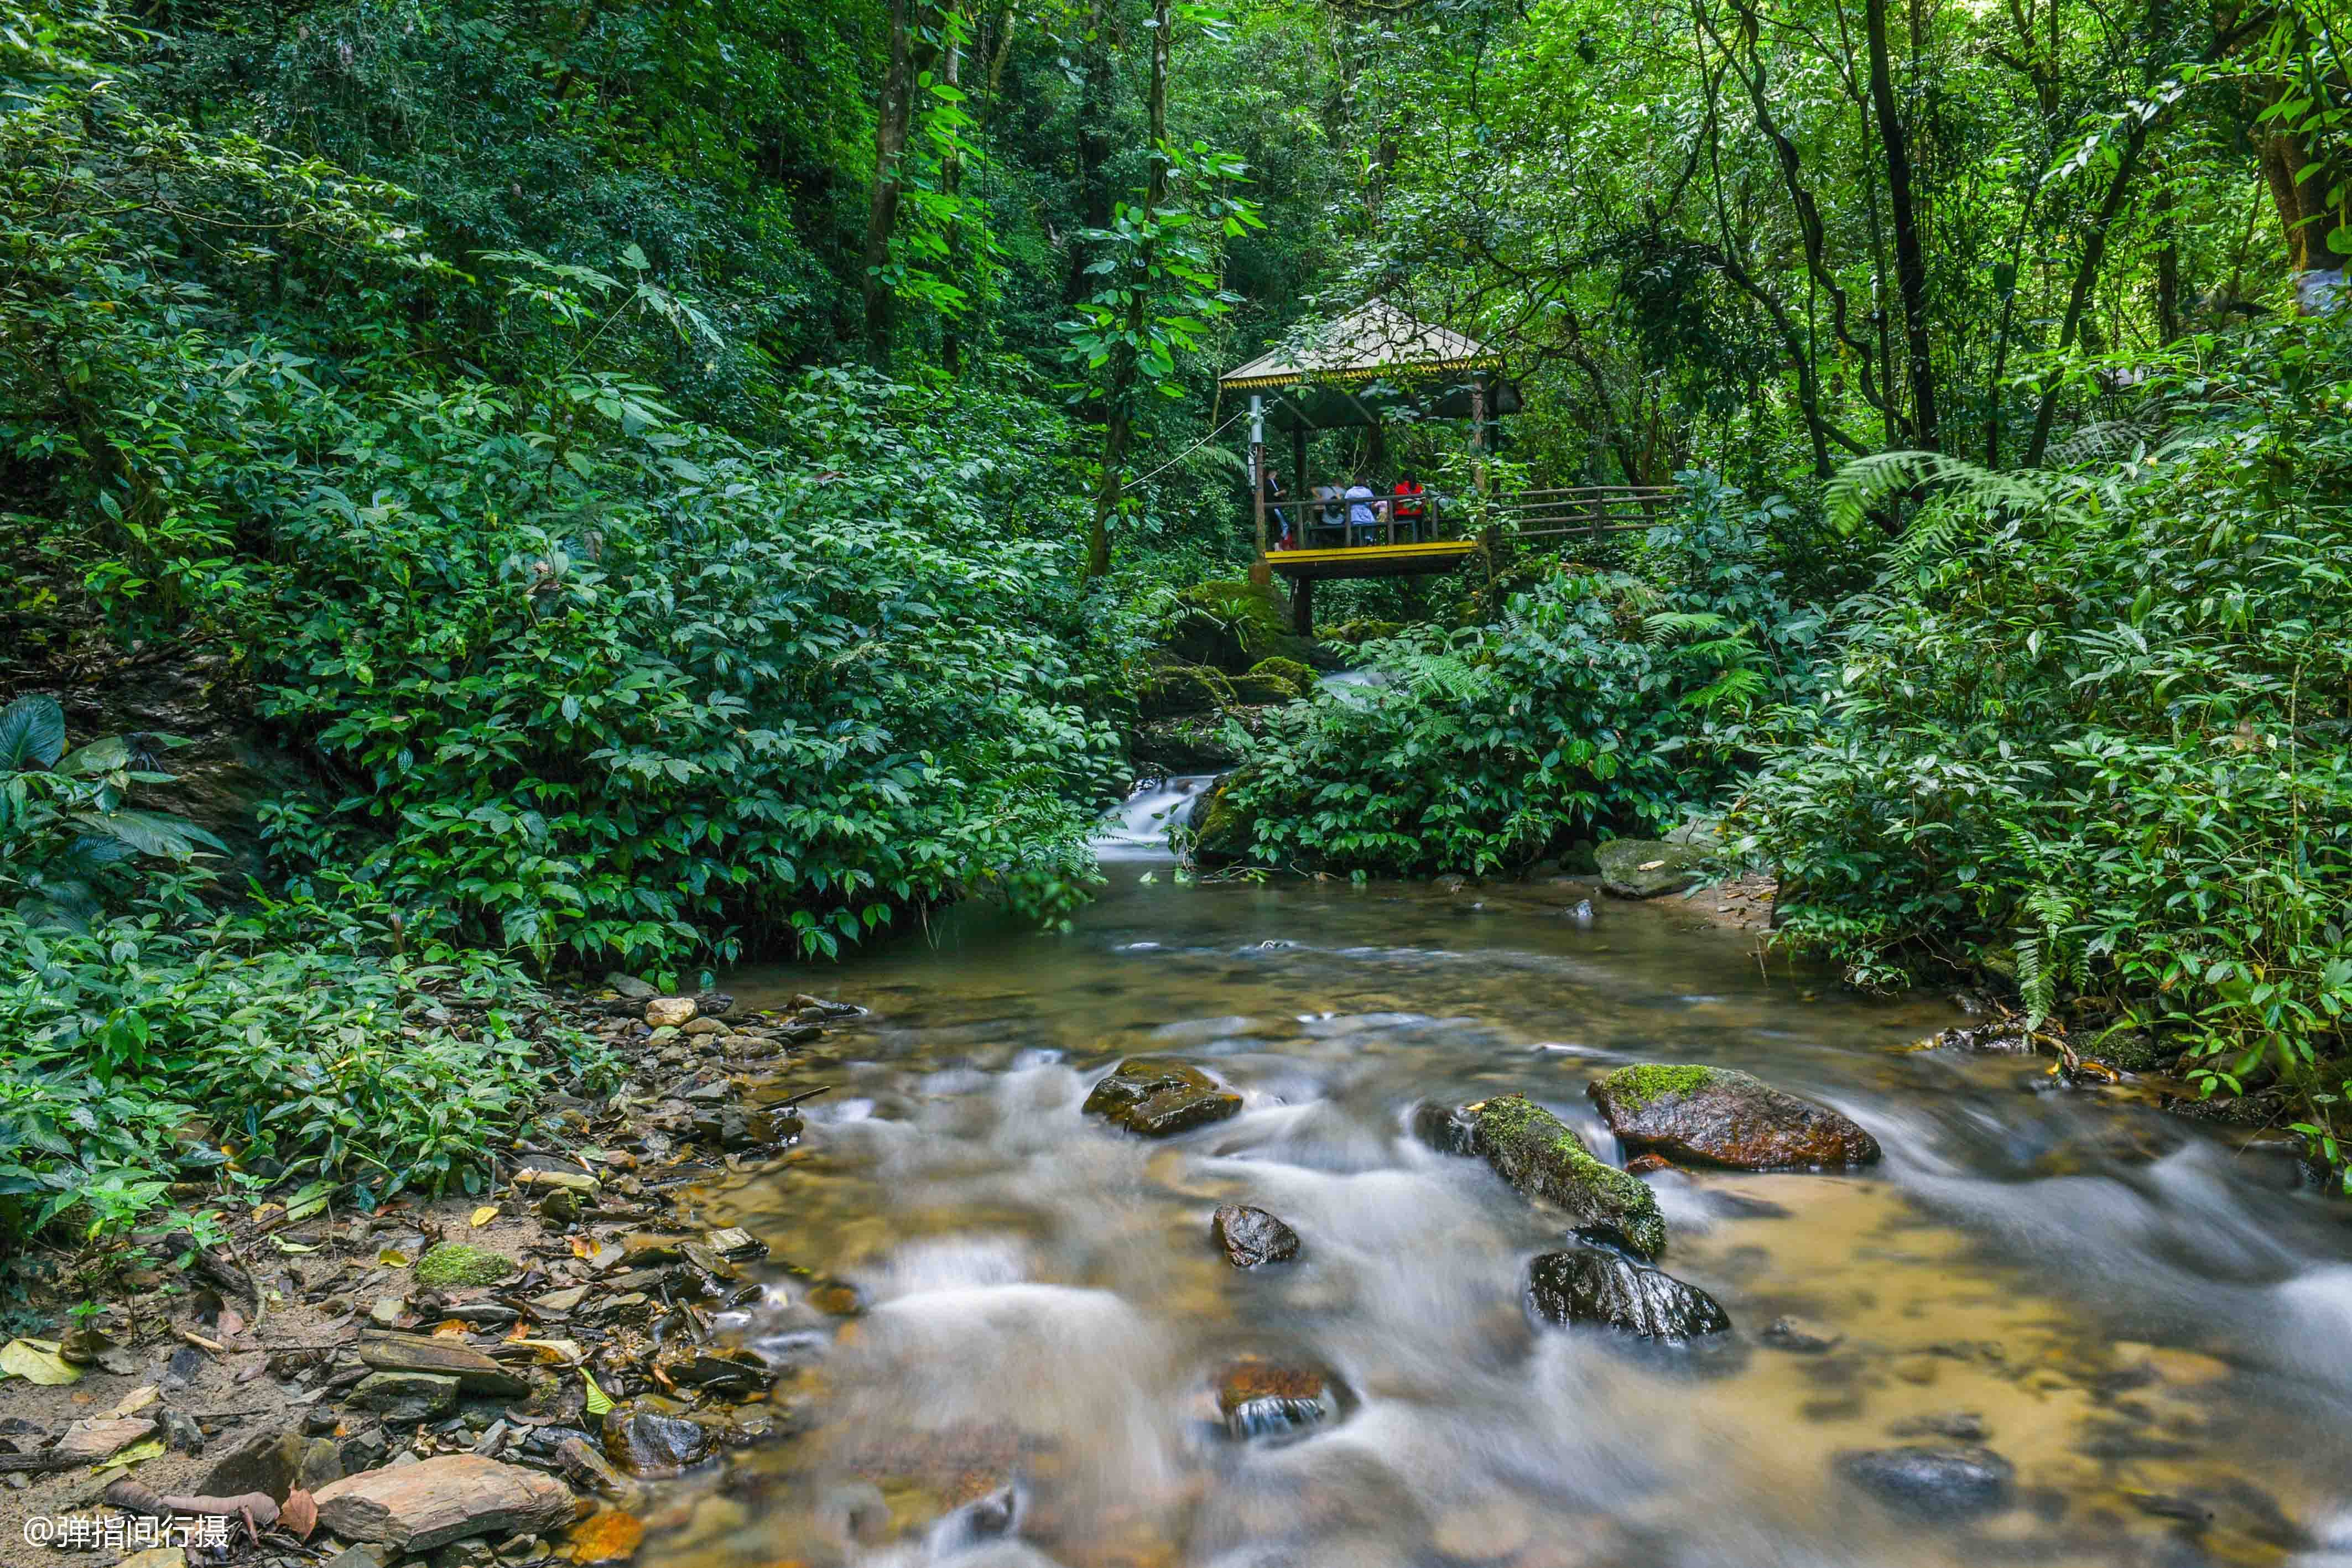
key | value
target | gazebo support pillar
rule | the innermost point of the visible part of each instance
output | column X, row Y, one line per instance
column 1302, row 607
column 1261, row 574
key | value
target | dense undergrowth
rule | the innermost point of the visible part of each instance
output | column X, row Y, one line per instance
column 600, row 655
column 1595, row 703
column 2093, row 732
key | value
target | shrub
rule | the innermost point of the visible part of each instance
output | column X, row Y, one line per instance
column 1597, row 699
column 2092, row 733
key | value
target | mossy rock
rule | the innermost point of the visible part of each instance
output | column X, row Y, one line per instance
column 1354, row 633
column 1221, row 831
column 455, row 1263
column 1233, row 626
column 1174, row 690
column 1259, row 689
column 1722, row 1116
column 1645, row 868
column 1542, row 1156
column 1291, row 669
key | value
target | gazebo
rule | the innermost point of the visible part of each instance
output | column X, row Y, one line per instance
column 1369, row 366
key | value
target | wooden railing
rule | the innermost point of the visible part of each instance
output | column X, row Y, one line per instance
column 1588, row 510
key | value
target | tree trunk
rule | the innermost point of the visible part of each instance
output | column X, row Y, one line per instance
column 1118, row 427
column 2087, row 277
column 951, row 186
column 1910, row 265
column 893, row 121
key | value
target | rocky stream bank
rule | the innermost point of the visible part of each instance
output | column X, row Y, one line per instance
column 490, row 1381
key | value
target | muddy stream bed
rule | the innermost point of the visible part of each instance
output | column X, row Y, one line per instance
column 2151, row 1325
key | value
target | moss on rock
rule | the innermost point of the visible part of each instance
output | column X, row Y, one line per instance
column 1300, row 675
column 1634, row 1087
column 1542, row 1155
column 1233, row 626
column 455, row 1263
column 1173, row 690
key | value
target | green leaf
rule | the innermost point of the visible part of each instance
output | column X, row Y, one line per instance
column 32, row 733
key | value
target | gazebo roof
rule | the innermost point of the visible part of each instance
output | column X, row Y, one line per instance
column 1373, row 342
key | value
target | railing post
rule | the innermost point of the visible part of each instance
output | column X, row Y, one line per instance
column 1260, row 572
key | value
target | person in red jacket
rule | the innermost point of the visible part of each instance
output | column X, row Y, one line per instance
column 1408, row 505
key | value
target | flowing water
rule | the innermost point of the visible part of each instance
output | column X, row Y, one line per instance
column 2147, row 1320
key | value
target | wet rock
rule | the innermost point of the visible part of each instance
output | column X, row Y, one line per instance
column 1593, row 1285
column 826, row 1009
column 736, row 1127
column 1250, row 1236
column 560, row 1208
column 363, row 1450
column 629, row 987
column 1538, row 1153
column 1158, row 1096
column 181, row 1432
column 649, row 1443
column 1648, row 1164
column 589, row 1470
column 1647, row 868
column 1448, row 1129
column 453, row 1263
column 1802, row 1336
column 1725, row 1117
column 1262, row 1399
column 1959, row 1426
column 274, row 1463
column 1932, row 1481
column 713, row 1004
column 404, row 1398
column 475, row 1371
column 417, row 1508
column 669, row 1012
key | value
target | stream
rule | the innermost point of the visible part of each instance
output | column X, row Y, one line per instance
column 2150, row 1323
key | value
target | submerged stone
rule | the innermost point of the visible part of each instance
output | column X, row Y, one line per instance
column 1593, row 1285
column 1250, row 1236
column 1539, row 1154
column 1260, row 1399
column 1158, row 1096
column 1448, row 1129
column 1722, row 1116
column 1933, row 1481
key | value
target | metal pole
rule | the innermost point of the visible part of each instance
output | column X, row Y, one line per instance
column 1259, row 572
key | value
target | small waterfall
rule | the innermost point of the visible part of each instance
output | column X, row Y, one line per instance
column 1353, row 686
column 1137, row 828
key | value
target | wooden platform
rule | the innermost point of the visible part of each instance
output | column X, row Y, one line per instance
column 1371, row 560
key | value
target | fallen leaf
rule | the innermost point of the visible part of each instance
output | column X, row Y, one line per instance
column 232, row 1322
column 136, row 1454
column 36, row 1361
column 552, row 1352
column 484, row 1215
column 598, row 1402
column 135, row 1401
column 393, row 1257
column 299, row 1514
column 284, row 1246
column 451, row 1328
column 582, row 1248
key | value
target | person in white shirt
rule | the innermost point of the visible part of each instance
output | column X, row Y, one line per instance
column 1360, row 515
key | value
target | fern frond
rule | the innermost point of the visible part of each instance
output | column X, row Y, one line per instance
column 1866, row 481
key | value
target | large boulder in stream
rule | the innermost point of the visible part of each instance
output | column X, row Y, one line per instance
column 1594, row 1285
column 1647, row 868
column 1539, row 1154
column 1158, row 1096
column 1718, row 1115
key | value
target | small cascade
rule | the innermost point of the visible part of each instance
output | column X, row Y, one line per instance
column 1353, row 687
column 1136, row 828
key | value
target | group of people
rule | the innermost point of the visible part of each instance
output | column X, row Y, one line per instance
column 1357, row 514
